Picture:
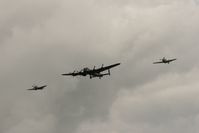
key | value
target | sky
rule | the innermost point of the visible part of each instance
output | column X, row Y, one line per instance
column 41, row 39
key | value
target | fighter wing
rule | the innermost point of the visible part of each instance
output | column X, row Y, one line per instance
column 158, row 62
column 105, row 68
column 72, row 74
column 42, row 87
column 171, row 60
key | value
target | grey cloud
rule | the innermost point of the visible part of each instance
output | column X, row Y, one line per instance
column 163, row 105
column 142, row 4
column 196, row 1
column 62, row 36
column 43, row 125
column 24, row 15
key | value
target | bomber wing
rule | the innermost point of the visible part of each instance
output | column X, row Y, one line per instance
column 105, row 68
column 68, row 74
column 31, row 89
column 72, row 74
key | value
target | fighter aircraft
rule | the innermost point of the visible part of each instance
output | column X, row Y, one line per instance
column 164, row 60
column 92, row 72
column 37, row 87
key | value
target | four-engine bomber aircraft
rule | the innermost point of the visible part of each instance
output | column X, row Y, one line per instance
column 92, row 72
column 37, row 87
column 164, row 60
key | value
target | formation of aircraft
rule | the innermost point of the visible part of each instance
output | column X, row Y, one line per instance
column 164, row 60
column 35, row 87
column 93, row 72
column 97, row 72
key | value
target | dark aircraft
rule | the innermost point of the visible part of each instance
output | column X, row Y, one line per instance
column 37, row 87
column 164, row 60
column 92, row 72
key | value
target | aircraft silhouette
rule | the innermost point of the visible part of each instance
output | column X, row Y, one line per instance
column 164, row 60
column 93, row 72
column 37, row 87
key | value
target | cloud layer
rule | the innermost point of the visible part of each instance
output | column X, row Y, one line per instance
column 41, row 39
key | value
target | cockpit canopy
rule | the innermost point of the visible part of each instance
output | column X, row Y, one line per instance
column 164, row 59
column 85, row 69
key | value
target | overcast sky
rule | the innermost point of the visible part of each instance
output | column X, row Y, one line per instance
column 41, row 39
